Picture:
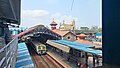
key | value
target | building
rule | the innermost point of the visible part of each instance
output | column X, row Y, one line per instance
column 65, row 35
column 67, row 27
column 96, row 45
column 86, row 32
column 53, row 25
column 82, row 36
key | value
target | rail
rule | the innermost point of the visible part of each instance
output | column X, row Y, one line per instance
column 8, row 54
column 45, row 62
column 58, row 60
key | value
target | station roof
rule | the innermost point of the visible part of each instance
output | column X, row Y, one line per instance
column 82, row 35
column 79, row 46
column 88, row 42
column 66, row 42
column 26, row 31
column 98, row 34
column 62, row 33
column 17, row 29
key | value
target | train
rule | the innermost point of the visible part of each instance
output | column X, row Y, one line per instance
column 38, row 47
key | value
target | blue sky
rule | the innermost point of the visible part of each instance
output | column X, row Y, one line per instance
column 84, row 12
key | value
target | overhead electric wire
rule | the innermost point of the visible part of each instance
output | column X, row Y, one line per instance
column 72, row 5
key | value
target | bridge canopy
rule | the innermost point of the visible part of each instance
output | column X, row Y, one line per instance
column 10, row 11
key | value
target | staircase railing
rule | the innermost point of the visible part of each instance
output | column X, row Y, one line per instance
column 8, row 54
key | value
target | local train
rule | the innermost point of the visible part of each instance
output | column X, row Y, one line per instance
column 38, row 47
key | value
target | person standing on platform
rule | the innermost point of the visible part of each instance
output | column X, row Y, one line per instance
column 79, row 64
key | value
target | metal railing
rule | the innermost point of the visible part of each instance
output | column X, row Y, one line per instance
column 8, row 54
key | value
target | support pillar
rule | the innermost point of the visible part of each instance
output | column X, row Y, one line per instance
column 80, row 54
column 93, row 61
column 68, row 57
column 111, row 33
column 61, row 52
column 86, row 59
column 1, row 29
column 97, row 61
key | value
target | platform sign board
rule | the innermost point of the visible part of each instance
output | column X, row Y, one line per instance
column 10, row 11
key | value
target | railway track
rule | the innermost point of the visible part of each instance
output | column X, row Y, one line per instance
column 36, row 58
column 43, row 61
column 49, row 62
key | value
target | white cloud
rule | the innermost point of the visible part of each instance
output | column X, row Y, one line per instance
column 31, row 18
column 56, row 15
column 60, row 17
column 67, row 18
column 34, row 13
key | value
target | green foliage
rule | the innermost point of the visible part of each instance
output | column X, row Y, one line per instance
column 84, row 28
column 96, row 28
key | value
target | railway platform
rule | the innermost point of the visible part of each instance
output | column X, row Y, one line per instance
column 58, row 59
column 63, row 60
column 75, row 53
column 23, row 59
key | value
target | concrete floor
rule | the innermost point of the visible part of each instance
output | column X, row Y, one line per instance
column 73, row 63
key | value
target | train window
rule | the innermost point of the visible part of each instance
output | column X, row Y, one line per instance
column 41, row 47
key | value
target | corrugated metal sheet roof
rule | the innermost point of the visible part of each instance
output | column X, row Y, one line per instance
column 26, row 31
column 79, row 46
column 66, row 42
column 88, row 42
column 98, row 34
column 62, row 33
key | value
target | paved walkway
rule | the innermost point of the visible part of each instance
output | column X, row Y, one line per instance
column 23, row 59
column 72, row 64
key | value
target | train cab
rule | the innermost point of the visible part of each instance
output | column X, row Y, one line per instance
column 41, row 49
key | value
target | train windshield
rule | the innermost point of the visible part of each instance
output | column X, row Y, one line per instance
column 41, row 47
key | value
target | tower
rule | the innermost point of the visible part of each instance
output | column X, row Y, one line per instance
column 53, row 25
column 72, row 23
column 73, row 26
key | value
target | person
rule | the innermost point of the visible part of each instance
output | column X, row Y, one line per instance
column 97, row 63
column 83, row 66
column 79, row 64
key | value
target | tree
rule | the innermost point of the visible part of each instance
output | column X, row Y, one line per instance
column 84, row 28
column 96, row 28
column 100, row 30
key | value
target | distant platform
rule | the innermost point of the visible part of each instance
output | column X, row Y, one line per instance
column 23, row 59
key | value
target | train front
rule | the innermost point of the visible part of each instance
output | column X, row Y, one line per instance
column 41, row 49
